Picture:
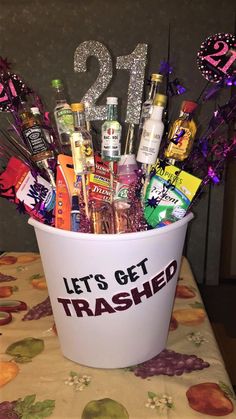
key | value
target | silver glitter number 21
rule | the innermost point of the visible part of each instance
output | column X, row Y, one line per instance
column 135, row 63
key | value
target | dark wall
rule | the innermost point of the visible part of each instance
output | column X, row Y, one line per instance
column 40, row 38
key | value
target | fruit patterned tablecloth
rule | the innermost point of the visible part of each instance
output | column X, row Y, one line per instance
column 187, row 380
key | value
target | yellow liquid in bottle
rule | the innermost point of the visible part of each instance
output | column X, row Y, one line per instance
column 181, row 137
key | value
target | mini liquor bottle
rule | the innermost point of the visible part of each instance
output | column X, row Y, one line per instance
column 48, row 136
column 63, row 116
column 111, row 133
column 181, row 134
column 35, row 141
column 81, row 142
column 152, row 133
column 101, row 217
column 32, row 131
column 147, row 107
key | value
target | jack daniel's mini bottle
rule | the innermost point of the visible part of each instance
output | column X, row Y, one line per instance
column 35, row 141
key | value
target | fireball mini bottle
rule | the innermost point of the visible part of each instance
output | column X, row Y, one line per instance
column 182, row 133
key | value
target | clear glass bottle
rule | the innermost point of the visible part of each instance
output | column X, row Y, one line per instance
column 101, row 217
column 111, row 133
column 129, row 142
column 182, row 134
column 36, row 112
column 81, row 142
column 147, row 107
column 152, row 133
column 63, row 114
column 32, row 131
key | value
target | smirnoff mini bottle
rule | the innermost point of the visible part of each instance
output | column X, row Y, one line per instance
column 63, row 116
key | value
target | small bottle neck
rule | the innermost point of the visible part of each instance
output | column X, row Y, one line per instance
column 60, row 95
column 112, row 113
column 157, row 112
column 79, row 119
column 129, row 143
column 185, row 115
column 153, row 89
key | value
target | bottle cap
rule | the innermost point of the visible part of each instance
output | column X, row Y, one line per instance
column 79, row 107
column 112, row 100
column 157, row 77
column 56, row 83
column 188, row 106
column 75, row 203
column 160, row 100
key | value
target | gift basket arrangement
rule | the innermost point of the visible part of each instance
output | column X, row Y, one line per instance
column 110, row 211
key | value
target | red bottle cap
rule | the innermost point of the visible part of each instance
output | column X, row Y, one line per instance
column 188, row 106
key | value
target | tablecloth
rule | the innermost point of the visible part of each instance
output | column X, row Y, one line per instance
column 187, row 380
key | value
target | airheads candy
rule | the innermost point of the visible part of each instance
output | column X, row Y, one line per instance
column 169, row 194
column 31, row 193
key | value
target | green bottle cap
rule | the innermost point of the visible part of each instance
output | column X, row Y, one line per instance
column 56, row 83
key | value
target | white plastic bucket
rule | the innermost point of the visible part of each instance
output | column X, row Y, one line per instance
column 112, row 294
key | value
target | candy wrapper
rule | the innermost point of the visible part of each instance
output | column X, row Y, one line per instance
column 31, row 193
column 64, row 191
column 169, row 195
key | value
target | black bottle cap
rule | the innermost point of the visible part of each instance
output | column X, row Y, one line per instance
column 75, row 203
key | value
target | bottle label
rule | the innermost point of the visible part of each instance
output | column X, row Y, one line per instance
column 36, row 192
column 146, row 110
column 149, row 142
column 179, row 143
column 82, row 151
column 35, row 140
column 111, row 141
column 65, row 123
column 122, row 191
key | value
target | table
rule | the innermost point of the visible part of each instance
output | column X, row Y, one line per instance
column 39, row 382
